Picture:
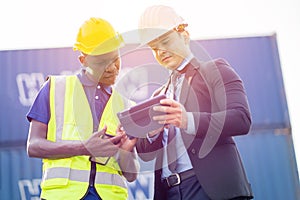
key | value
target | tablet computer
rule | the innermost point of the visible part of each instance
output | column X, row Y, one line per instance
column 138, row 121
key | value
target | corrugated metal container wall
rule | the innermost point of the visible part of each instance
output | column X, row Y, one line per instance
column 270, row 164
column 267, row 152
column 20, row 175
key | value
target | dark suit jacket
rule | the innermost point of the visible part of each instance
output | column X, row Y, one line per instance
column 215, row 95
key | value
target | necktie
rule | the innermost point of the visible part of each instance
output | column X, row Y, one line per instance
column 174, row 83
column 171, row 146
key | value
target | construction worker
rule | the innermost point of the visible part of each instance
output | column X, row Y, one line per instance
column 74, row 128
column 195, row 155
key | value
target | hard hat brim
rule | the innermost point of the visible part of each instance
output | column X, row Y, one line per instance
column 107, row 46
column 149, row 34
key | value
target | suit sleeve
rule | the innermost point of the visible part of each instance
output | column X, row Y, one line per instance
column 148, row 151
column 230, row 115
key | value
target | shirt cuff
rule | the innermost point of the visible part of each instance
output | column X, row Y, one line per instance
column 152, row 139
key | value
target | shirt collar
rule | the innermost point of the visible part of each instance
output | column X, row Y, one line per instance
column 185, row 62
column 107, row 89
column 89, row 83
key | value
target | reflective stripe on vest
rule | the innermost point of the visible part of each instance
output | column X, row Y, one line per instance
column 83, row 176
column 59, row 107
column 71, row 119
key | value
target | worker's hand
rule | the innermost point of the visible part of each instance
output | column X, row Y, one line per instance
column 127, row 143
column 97, row 145
column 127, row 156
column 176, row 114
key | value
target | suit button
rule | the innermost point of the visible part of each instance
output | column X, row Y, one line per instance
column 193, row 151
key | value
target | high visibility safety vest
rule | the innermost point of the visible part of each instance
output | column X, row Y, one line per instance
column 71, row 119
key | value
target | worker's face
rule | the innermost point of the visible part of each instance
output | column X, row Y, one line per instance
column 170, row 49
column 102, row 68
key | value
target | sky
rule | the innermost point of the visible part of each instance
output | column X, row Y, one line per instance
column 30, row 24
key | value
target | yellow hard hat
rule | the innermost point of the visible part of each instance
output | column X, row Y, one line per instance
column 96, row 36
column 157, row 20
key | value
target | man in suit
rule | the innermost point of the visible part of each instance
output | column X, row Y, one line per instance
column 206, row 106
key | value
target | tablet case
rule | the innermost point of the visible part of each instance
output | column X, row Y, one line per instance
column 137, row 120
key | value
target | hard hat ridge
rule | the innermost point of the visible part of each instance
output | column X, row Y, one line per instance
column 161, row 17
column 157, row 20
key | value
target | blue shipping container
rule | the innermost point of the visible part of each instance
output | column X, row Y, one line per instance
column 267, row 151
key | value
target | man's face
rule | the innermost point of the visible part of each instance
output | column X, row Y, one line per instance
column 103, row 68
column 170, row 49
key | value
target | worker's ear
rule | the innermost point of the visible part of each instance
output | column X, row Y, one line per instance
column 186, row 36
column 82, row 60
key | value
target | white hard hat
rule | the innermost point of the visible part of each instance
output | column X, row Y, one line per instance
column 156, row 21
